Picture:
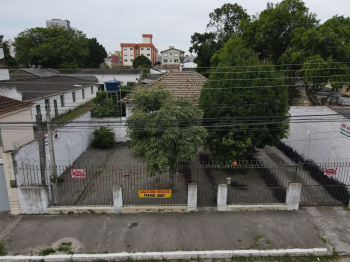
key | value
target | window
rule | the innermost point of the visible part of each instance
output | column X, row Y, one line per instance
column 176, row 60
column 131, row 60
column 142, row 54
column 148, row 54
column 176, row 55
column 92, row 90
column 62, row 100
column 165, row 60
column 141, row 48
column 38, row 111
column 125, row 55
column 170, row 60
column 131, row 55
column 83, row 93
column 165, row 54
column 73, row 96
column 125, row 49
column 55, row 107
column 125, row 60
column 170, row 53
column 131, row 48
column 148, row 48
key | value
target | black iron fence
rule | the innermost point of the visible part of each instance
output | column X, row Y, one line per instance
column 249, row 182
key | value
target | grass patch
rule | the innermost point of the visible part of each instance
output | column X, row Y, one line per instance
column 72, row 114
column 65, row 247
column 323, row 239
column 47, row 251
column 2, row 249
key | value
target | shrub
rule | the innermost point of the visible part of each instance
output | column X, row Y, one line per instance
column 103, row 137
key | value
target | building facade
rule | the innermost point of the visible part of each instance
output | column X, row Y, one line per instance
column 60, row 22
column 130, row 50
column 172, row 56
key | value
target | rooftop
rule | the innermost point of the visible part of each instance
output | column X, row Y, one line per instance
column 108, row 71
column 8, row 105
column 187, row 84
column 32, row 89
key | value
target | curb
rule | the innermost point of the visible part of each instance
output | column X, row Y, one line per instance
column 174, row 255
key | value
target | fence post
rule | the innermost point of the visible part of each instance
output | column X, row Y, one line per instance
column 293, row 196
column 33, row 199
column 222, row 197
column 118, row 199
column 192, row 197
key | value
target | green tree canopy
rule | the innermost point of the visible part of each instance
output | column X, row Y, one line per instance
column 271, row 32
column 164, row 129
column 141, row 61
column 224, row 23
column 319, row 56
column 57, row 47
column 97, row 54
column 245, row 103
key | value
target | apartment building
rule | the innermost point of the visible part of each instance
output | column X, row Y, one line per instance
column 131, row 50
column 172, row 56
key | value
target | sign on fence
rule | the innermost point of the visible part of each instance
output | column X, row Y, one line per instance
column 163, row 193
column 330, row 171
column 78, row 173
column 345, row 129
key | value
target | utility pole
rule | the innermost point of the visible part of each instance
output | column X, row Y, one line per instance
column 42, row 153
column 52, row 152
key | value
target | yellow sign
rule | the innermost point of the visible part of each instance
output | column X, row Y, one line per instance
column 234, row 163
column 162, row 193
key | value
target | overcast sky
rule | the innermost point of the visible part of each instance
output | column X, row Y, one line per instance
column 115, row 21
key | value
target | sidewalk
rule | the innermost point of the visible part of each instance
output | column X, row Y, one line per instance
column 157, row 232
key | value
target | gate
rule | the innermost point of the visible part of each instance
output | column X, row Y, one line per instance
column 4, row 201
column 324, row 184
column 248, row 183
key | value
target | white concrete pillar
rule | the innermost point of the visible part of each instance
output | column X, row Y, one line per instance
column 10, row 178
column 293, row 196
column 222, row 197
column 118, row 199
column 192, row 197
column 33, row 199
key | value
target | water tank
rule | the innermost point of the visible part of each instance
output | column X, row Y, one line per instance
column 112, row 85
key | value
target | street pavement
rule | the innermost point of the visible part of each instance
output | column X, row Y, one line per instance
column 314, row 227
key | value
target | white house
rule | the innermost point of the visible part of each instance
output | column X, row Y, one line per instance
column 63, row 93
column 128, row 77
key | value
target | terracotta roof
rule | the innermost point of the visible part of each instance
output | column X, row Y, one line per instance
column 8, row 105
column 187, row 84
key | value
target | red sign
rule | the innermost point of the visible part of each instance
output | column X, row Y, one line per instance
column 78, row 173
column 330, row 171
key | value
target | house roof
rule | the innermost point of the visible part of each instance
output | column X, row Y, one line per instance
column 108, row 71
column 187, row 84
column 32, row 89
column 39, row 72
column 172, row 49
column 8, row 105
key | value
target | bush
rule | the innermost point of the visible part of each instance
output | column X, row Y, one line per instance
column 103, row 137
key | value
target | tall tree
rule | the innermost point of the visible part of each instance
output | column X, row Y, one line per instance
column 141, row 61
column 55, row 47
column 97, row 54
column 224, row 23
column 271, row 32
column 245, row 103
column 319, row 56
column 164, row 129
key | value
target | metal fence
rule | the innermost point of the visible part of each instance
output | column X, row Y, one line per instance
column 249, row 182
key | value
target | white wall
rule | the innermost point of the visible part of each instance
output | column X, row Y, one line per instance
column 68, row 101
column 319, row 139
column 11, row 93
column 4, row 73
